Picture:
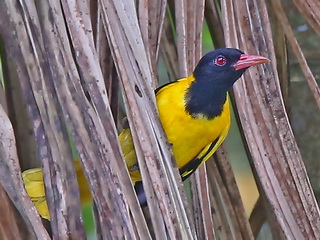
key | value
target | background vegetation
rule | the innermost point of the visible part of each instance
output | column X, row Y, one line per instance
column 73, row 69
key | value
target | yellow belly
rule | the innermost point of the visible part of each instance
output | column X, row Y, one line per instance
column 188, row 135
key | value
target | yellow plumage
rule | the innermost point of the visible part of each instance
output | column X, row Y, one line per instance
column 33, row 181
column 195, row 115
column 190, row 137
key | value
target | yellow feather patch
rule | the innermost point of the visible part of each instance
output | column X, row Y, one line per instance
column 191, row 138
column 188, row 135
column 33, row 181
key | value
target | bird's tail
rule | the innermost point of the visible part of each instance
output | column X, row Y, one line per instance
column 33, row 181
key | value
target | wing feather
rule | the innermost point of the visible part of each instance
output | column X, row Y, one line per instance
column 203, row 156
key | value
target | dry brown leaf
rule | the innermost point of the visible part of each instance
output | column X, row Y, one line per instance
column 296, row 49
column 276, row 156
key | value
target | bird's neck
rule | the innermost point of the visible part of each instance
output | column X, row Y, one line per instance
column 205, row 99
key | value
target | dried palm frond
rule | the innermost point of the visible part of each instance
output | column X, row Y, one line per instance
column 79, row 66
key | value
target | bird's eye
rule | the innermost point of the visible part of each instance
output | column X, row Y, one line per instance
column 220, row 61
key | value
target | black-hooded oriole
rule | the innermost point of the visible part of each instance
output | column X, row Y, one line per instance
column 194, row 112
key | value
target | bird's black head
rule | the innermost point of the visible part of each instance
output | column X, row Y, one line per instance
column 214, row 75
column 224, row 66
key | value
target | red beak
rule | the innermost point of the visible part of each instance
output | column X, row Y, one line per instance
column 246, row 61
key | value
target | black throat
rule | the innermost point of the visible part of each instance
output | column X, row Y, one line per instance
column 205, row 99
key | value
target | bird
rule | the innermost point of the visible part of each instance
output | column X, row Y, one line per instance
column 194, row 112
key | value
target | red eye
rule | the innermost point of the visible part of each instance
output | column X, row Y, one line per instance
column 220, row 61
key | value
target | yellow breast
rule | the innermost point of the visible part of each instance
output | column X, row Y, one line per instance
column 188, row 135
